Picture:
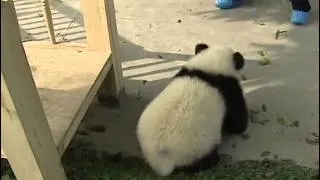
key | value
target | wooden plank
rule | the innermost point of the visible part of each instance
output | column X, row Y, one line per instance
column 67, row 80
column 25, row 135
column 64, row 45
column 48, row 19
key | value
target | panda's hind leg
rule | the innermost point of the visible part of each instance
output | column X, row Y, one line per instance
column 203, row 164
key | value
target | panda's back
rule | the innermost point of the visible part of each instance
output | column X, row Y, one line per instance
column 185, row 118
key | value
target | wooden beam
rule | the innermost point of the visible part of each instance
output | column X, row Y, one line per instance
column 48, row 19
column 90, row 97
column 114, row 43
column 96, row 27
column 65, row 103
column 100, row 25
column 25, row 135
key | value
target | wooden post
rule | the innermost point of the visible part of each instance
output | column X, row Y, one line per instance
column 25, row 134
column 114, row 43
column 100, row 25
column 48, row 19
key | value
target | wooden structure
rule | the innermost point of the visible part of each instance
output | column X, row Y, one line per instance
column 46, row 88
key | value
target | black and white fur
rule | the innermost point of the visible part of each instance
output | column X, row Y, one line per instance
column 182, row 127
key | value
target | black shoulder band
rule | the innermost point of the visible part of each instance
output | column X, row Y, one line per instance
column 214, row 80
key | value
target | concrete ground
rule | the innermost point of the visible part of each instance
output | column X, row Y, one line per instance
column 156, row 37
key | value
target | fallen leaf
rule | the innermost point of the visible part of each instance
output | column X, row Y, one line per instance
column 261, row 53
column 265, row 153
column 263, row 122
column 265, row 61
column 281, row 120
column 144, row 82
column 263, row 107
column 278, row 33
column 245, row 136
column 295, row 124
column 83, row 133
column 315, row 134
column 312, row 141
column 259, row 22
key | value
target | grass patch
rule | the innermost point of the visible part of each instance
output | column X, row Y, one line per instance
column 85, row 164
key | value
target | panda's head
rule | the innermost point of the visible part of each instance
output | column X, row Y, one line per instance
column 216, row 59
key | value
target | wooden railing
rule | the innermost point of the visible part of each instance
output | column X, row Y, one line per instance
column 48, row 19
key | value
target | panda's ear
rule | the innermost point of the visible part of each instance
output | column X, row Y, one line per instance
column 238, row 60
column 200, row 47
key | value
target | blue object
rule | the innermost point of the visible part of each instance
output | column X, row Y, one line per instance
column 228, row 4
column 299, row 17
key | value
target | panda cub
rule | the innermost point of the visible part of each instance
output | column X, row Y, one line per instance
column 182, row 127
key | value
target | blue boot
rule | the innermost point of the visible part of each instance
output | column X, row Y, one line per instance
column 299, row 17
column 228, row 4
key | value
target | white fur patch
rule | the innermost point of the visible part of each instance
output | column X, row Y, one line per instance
column 184, row 120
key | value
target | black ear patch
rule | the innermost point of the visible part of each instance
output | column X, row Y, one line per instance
column 238, row 60
column 200, row 47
